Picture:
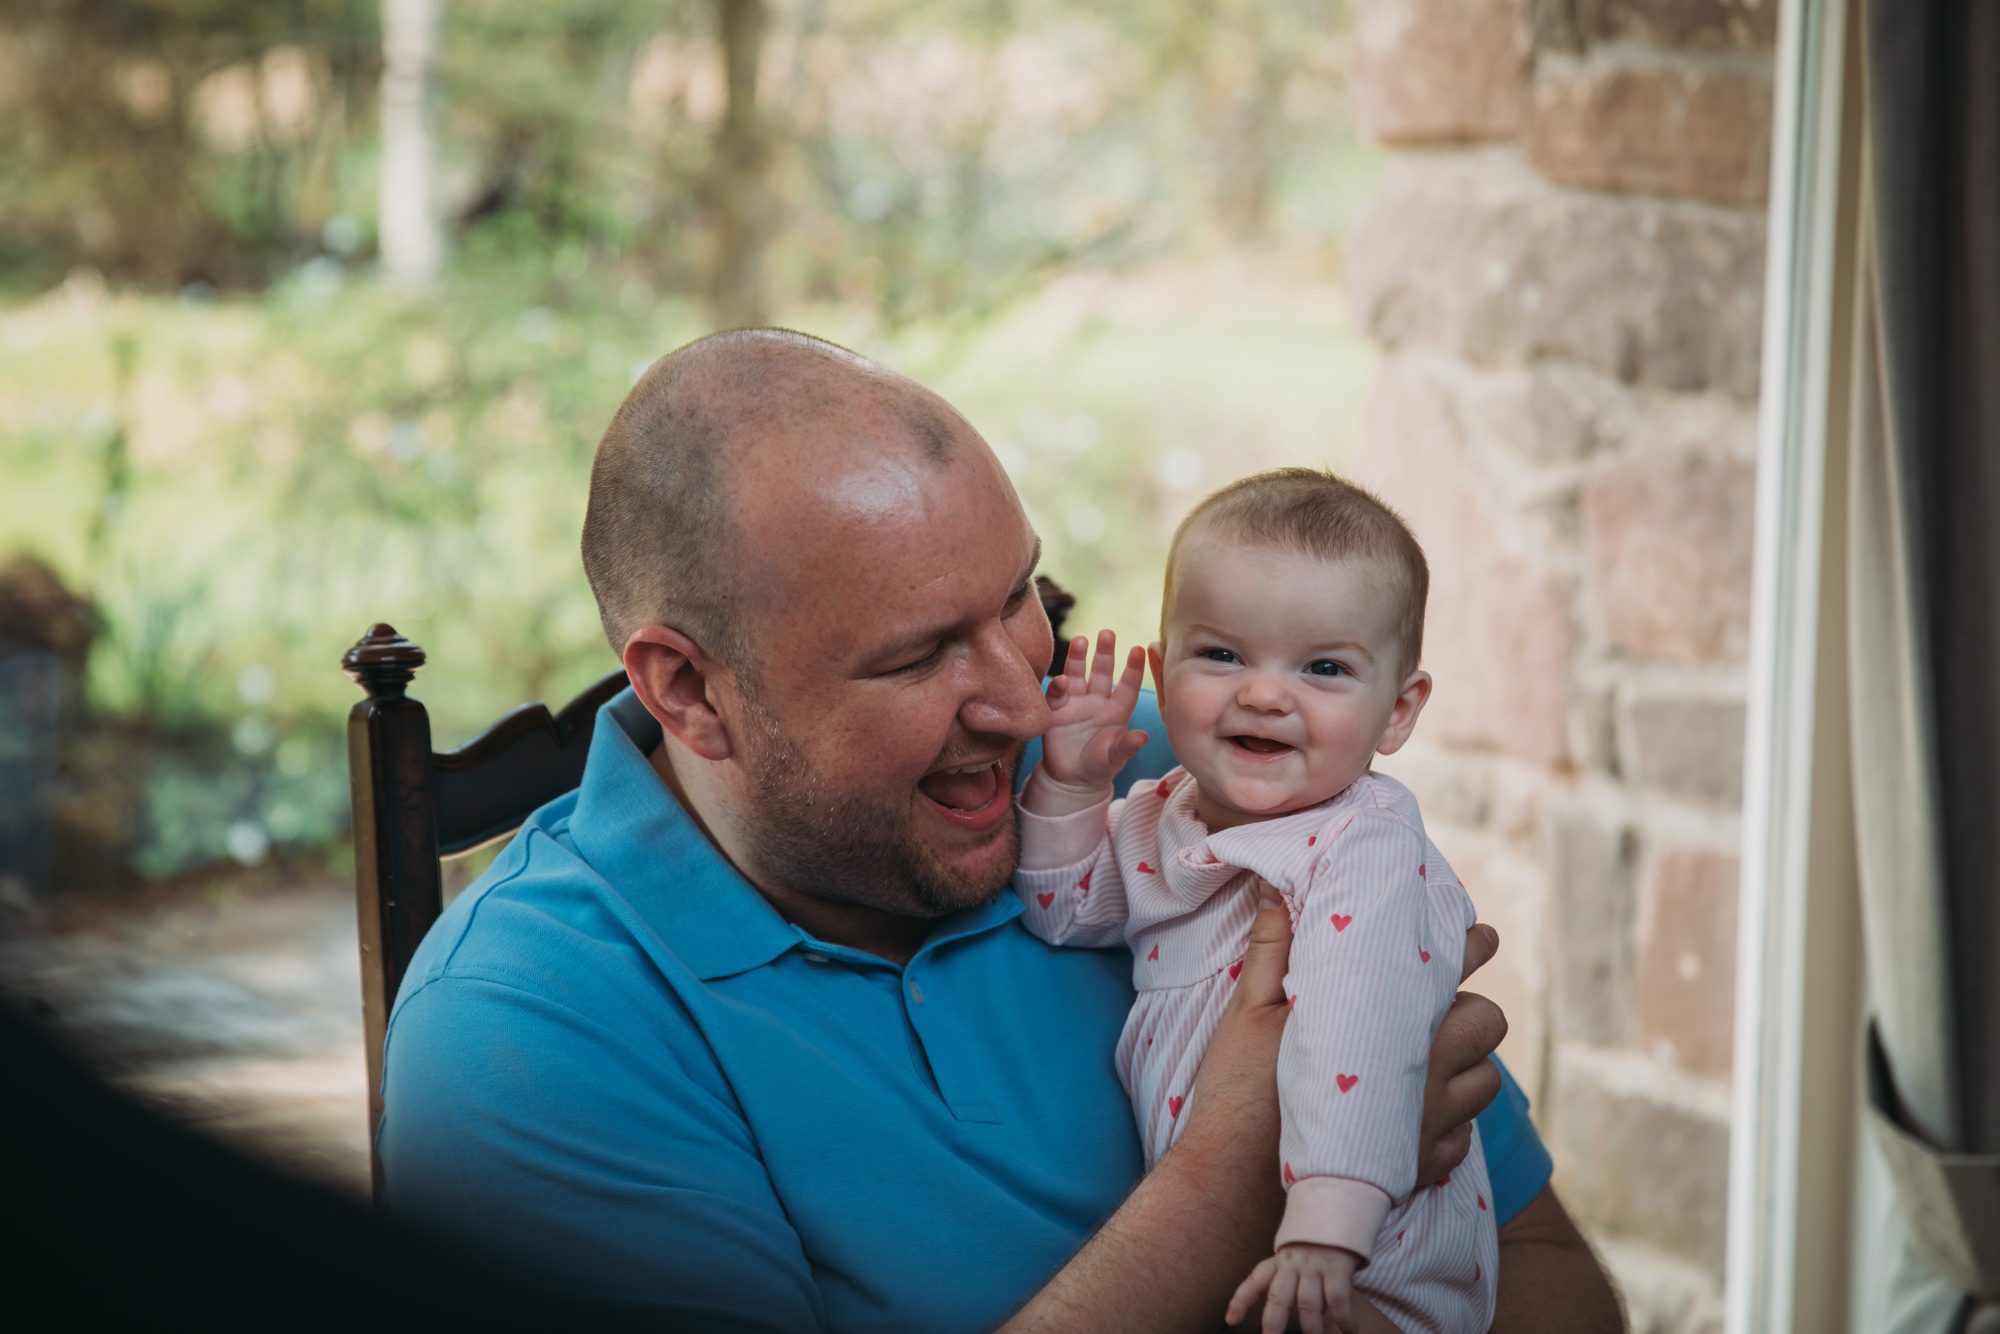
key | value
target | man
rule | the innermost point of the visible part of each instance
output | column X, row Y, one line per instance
column 745, row 1028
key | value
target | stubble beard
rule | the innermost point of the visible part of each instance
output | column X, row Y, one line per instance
column 828, row 844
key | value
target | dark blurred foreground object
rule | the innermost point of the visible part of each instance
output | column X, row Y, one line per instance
column 45, row 637
column 120, row 1216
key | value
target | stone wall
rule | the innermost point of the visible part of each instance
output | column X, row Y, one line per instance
column 1564, row 269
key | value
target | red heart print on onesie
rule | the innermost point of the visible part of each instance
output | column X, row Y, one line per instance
column 1174, row 1107
column 1083, row 885
column 1045, row 899
column 1311, row 839
column 1420, row 871
column 1340, row 920
column 1154, row 957
column 1164, row 788
column 1234, row 969
column 1482, row 1202
column 1289, row 1178
column 1346, row 1082
column 1423, row 954
column 1146, row 870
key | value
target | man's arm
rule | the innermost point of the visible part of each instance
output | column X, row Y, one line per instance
column 1550, row 1282
column 1173, row 1252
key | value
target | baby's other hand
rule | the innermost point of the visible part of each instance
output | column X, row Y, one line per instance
column 1318, row 1280
column 1088, row 742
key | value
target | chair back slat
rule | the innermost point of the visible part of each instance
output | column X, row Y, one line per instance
column 488, row 786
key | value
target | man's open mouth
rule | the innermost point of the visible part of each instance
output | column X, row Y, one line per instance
column 969, row 787
column 1258, row 745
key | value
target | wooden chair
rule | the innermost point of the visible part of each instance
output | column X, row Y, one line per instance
column 415, row 808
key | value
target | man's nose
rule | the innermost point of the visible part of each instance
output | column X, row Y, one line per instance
column 1006, row 695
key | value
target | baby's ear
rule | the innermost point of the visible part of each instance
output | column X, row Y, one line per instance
column 1157, row 661
column 1410, row 702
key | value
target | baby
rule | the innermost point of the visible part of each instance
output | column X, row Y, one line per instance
column 1291, row 628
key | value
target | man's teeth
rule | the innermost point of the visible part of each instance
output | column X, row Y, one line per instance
column 969, row 768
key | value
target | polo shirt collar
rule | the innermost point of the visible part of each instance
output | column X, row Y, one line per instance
column 651, row 854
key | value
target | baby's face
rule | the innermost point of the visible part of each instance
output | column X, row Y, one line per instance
column 1282, row 677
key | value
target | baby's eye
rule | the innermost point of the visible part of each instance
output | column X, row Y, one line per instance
column 1218, row 655
column 1324, row 667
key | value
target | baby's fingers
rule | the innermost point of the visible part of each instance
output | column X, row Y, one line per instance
column 1312, row 1305
column 1100, row 667
column 1278, row 1309
column 1249, row 1290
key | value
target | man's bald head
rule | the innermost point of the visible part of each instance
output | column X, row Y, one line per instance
column 663, row 537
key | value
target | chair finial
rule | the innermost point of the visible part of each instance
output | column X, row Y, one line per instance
column 382, row 662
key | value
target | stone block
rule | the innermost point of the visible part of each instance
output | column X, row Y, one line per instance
column 1497, row 631
column 1439, row 71
column 1632, row 1165
column 1544, row 414
column 1588, row 943
column 1473, row 254
column 1687, row 745
column 1694, row 132
column 1706, row 25
column 1668, row 541
column 1511, row 895
column 1684, row 985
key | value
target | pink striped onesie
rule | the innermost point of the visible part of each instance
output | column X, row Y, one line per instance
column 1379, row 924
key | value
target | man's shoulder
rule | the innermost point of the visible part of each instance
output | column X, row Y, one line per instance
column 540, row 920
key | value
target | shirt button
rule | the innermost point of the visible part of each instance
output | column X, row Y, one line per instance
column 816, row 958
column 916, row 992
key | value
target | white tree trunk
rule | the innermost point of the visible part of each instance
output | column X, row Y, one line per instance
column 412, row 241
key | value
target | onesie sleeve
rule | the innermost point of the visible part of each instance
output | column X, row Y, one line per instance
column 1372, row 974
column 1071, row 892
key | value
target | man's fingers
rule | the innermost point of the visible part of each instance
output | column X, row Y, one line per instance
column 1469, row 1033
column 1470, row 1091
column 1445, row 1154
column 1482, row 942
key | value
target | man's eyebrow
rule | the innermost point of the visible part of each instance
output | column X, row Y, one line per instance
column 1034, row 561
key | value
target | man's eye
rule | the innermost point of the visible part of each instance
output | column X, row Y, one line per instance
column 919, row 664
column 1325, row 668
column 1218, row 655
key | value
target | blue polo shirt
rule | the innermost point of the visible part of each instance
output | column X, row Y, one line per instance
column 615, row 1067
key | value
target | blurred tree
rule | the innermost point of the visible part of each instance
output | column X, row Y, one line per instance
column 412, row 244
column 739, row 187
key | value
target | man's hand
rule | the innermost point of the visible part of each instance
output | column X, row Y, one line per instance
column 1087, row 742
column 1462, row 1082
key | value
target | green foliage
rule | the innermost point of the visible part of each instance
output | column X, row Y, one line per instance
column 1041, row 210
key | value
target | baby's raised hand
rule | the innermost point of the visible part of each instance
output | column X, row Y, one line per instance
column 1088, row 741
column 1318, row 1280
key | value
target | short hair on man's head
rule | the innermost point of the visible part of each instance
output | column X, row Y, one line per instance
column 1315, row 513
column 659, row 534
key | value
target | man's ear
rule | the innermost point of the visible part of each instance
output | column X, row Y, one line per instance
column 676, row 682
column 1403, row 718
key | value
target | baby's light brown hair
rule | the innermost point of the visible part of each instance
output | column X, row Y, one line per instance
column 1316, row 514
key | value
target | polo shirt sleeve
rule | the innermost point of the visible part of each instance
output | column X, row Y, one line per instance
column 663, row 1203
column 1517, row 1164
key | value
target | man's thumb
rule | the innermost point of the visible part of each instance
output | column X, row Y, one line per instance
column 1269, row 951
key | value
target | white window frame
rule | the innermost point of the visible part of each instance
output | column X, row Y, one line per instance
column 1795, row 1118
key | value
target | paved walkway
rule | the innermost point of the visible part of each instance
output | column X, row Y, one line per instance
column 237, row 1012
